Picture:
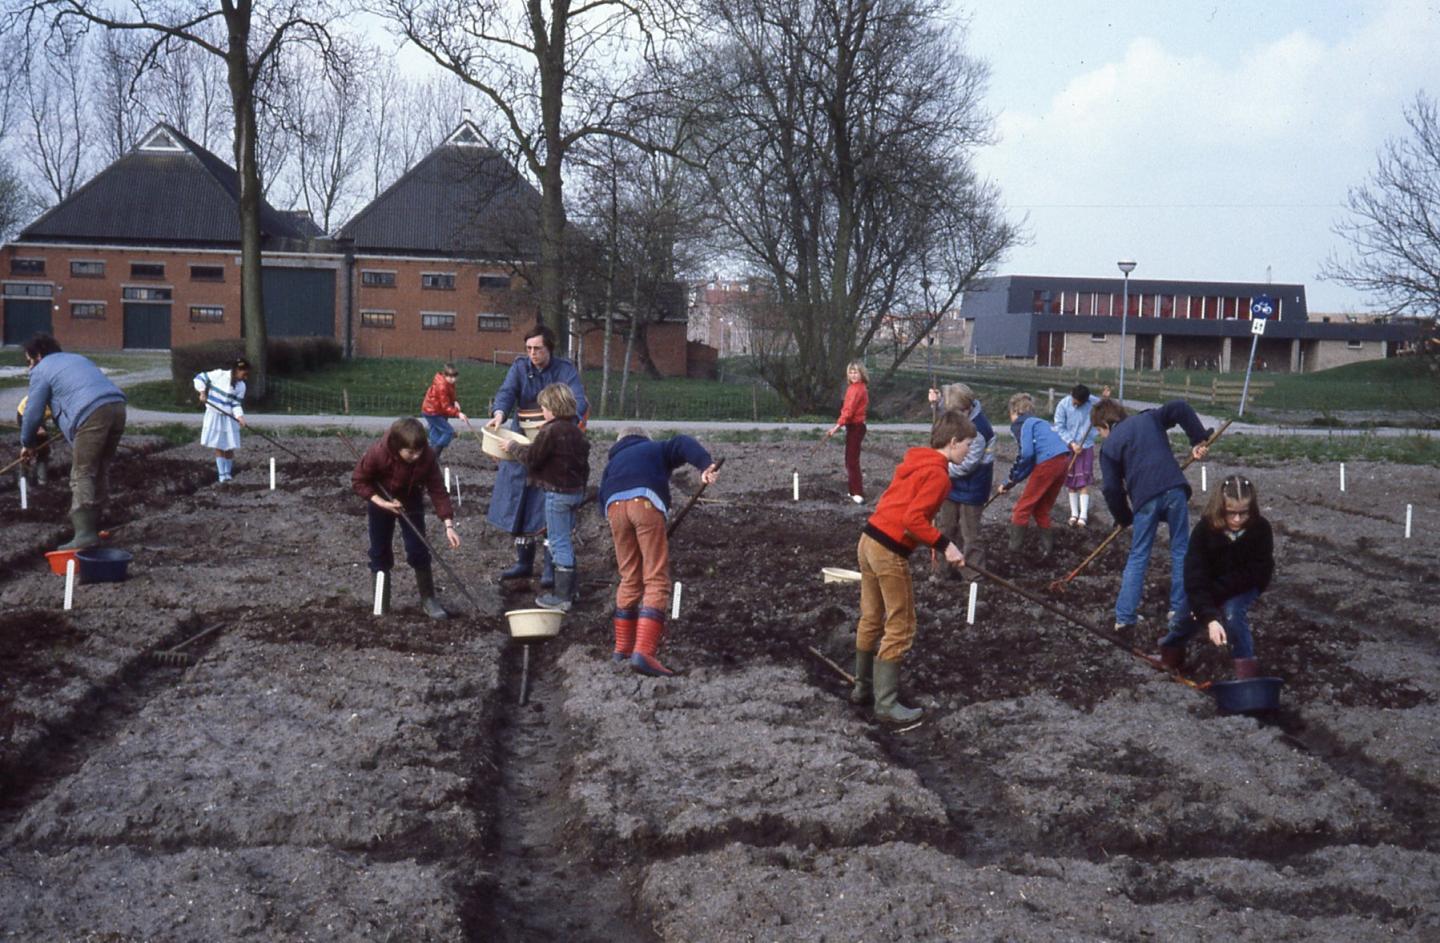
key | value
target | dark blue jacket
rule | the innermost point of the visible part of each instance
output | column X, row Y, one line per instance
column 972, row 485
column 1136, row 461
column 638, row 462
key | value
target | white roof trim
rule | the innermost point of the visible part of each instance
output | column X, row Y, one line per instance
column 161, row 139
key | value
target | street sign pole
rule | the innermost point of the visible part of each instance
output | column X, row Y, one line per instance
column 1260, row 309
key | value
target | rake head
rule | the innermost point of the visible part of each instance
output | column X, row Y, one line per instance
column 172, row 658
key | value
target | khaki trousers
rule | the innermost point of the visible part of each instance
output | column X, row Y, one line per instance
column 961, row 523
column 642, row 554
column 887, row 602
column 94, row 447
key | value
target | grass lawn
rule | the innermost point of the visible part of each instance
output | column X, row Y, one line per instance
column 115, row 362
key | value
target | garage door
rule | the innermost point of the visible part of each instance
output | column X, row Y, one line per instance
column 25, row 318
column 299, row 302
column 147, row 326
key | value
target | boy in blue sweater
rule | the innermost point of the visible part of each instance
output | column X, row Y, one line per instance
column 1144, row 485
column 635, row 493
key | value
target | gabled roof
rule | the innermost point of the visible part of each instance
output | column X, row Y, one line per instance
column 167, row 190
column 462, row 199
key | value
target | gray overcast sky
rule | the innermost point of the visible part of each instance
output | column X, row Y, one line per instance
column 1204, row 140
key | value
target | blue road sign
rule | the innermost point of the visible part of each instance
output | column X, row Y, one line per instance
column 1262, row 307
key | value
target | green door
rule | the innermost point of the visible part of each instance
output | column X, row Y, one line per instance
column 299, row 302
column 147, row 326
column 25, row 317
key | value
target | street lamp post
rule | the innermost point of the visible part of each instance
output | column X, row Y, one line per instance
column 1127, row 266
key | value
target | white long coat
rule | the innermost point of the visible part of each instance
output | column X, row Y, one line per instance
column 219, row 431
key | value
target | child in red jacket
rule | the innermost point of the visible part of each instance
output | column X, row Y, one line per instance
column 852, row 420
column 440, row 406
column 887, row 599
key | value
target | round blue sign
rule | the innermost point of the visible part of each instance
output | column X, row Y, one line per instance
column 1262, row 307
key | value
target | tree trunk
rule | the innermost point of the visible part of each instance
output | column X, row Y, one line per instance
column 252, row 296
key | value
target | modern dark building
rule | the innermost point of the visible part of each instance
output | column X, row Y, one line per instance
column 1076, row 322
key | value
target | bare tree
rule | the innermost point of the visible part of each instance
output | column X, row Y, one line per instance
column 328, row 138
column 186, row 88
column 56, row 103
column 840, row 142
column 119, row 111
column 246, row 40
column 554, row 71
column 1394, row 225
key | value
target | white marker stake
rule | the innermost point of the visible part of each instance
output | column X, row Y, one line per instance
column 24, row 495
column 796, row 484
column 1342, row 476
column 1204, row 480
column 970, row 613
column 675, row 600
column 272, row 473
column 459, row 501
column 379, row 593
column 447, row 479
column 1409, row 510
column 70, row 583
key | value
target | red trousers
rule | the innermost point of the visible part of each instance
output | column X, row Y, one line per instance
column 1041, row 490
column 854, row 435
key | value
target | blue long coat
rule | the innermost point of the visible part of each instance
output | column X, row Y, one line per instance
column 515, row 507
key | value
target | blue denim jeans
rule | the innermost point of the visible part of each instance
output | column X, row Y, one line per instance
column 560, row 524
column 1234, row 615
column 1169, row 506
column 441, row 433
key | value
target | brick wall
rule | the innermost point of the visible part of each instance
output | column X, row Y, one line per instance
column 667, row 347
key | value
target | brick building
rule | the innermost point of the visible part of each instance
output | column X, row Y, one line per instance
column 1076, row 322
column 146, row 255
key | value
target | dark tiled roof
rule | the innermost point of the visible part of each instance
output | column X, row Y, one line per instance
column 186, row 197
column 463, row 201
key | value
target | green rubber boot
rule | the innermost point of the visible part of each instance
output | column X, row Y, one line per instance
column 425, row 583
column 1016, row 538
column 86, row 532
column 888, row 708
column 864, row 690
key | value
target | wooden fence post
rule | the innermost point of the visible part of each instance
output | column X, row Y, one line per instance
column 345, row 398
column 754, row 400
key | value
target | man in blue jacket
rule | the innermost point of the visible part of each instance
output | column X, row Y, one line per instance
column 1144, row 485
column 90, row 411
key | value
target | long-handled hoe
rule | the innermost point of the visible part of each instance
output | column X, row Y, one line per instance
column 1058, row 586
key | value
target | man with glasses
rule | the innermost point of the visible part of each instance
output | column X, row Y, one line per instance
column 1143, row 486
column 515, row 507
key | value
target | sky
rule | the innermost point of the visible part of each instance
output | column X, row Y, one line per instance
column 1211, row 141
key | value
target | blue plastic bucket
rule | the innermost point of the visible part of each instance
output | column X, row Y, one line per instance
column 103, row 565
column 1248, row 696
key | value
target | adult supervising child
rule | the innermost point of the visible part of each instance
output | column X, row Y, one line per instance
column 222, row 395
column 901, row 522
column 1228, row 564
column 1143, row 486
column 403, row 464
column 440, row 406
column 635, row 493
column 852, row 420
column 1042, row 459
column 559, row 464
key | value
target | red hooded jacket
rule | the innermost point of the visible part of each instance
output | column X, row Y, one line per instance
column 440, row 398
column 901, row 521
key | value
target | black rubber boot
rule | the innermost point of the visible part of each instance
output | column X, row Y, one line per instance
column 1246, row 668
column 547, row 570
column 888, row 708
column 864, row 690
column 563, row 594
column 1016, row 538
column 524, row 560
column 425, row 583
column 1169, row 658
column 1047, row 541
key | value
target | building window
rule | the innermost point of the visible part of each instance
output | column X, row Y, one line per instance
column 432, row 321
column 135, row 293
column 494, row 282
column 87, row 310
column 1167, row 306
column 1068, row 301
column 383, row 319
column 29, row 290
column 438, row 281
column 371, row 278
column 1230, row 308
column 1097, row 338
column 87, row 269
column 207, row 314
column 19, row 266
column 1212, row 307
column 207, row 273
column 492, row 322
column 147, row 269
column 1355, row 345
